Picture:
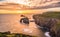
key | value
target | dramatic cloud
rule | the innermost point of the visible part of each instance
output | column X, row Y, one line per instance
column 36, row 4
column 2, row 0
column 53, row 5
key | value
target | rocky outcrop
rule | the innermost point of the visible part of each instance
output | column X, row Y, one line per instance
column 49, row 19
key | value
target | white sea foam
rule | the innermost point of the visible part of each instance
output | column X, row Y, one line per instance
column 27, row 30
column 47, row 34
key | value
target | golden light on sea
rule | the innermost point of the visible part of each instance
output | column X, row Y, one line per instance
column 37, row 11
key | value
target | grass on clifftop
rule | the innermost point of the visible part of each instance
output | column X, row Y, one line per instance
column 51, row 14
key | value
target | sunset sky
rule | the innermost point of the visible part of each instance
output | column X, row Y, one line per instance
column 11, row 10
column 33, row 2
column 49, row 5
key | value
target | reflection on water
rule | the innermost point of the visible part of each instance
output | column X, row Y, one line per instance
column 10, row 22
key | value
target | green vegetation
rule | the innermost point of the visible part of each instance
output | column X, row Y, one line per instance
column 8, row 34
column 51, row 14
column 54, row 24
